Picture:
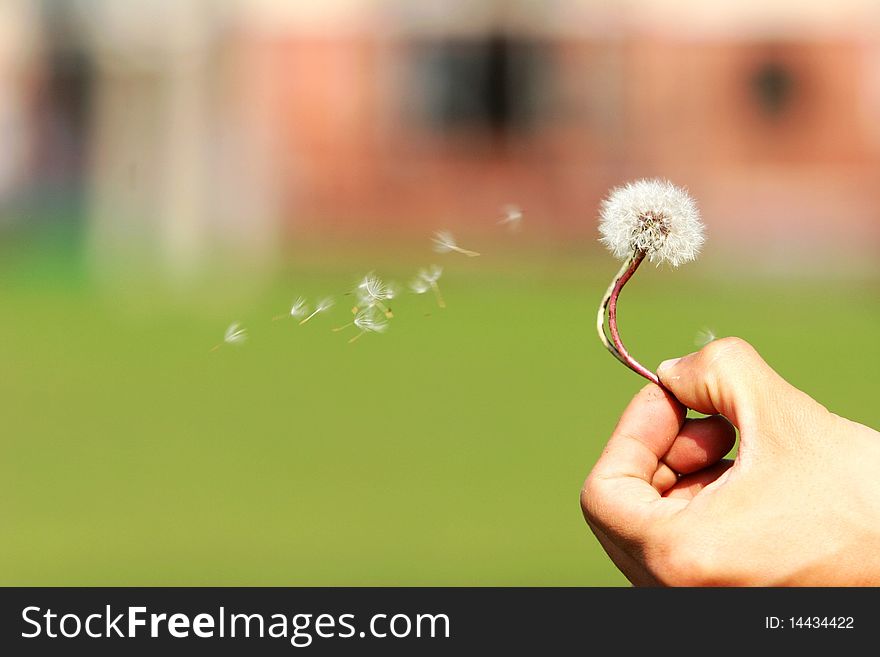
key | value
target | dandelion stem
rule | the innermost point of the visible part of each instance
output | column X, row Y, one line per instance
column 610, row 302
column 342, row 328
column 309, row 317
column 603, row 307
column 436, row 288
column 385, row 309
column 356, row 337
column 216, row 346
column 278, row 317
column 464, row 251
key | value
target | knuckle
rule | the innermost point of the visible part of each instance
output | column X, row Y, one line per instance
column 590, row 497
column 724, row 356
column 726, row 348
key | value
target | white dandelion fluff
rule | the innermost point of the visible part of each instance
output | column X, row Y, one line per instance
column 432, row 274
column 419, row 285
column 235, row 334
column 367, row 320
column 370, row 322
column 299, row 308
column 705, row 336
column 323, row 305
column 372, row 292
column 654, row 217
column 426, row 279
column 372, row 289
column 645, row 219
column 444, row 242
column 511, row 217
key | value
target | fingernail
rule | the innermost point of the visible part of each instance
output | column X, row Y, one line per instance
column 666, row 365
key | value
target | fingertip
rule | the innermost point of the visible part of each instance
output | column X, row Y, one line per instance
column 717, row 378
column 666, row 366
column 653, row 392
column 657, row 402
column 646, row 429
column 669, row 370
column 700, row 443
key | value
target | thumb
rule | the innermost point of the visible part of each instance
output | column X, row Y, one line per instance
column 729, row 377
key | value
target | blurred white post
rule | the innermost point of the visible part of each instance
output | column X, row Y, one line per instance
column 176, row 180
column 19, row 45
column 147, row 133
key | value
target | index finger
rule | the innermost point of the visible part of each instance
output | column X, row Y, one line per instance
column 618, row 493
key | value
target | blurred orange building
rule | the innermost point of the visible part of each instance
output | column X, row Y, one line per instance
column 245, row 121
column 398, row 121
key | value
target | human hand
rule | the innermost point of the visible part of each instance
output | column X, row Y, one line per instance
column 800, row 504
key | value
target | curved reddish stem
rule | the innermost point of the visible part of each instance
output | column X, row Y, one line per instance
column 628, row 360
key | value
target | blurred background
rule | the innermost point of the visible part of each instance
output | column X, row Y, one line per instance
column 169, row 167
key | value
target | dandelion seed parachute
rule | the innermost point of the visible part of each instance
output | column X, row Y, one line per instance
column 235, row 334
column 512, row 217
column 431, row 274
column 650, row 219
column 366, row 321
column 372, row 289
column 420, row 285
column 323, row 305
column 371, row 322
column 704, row 336
column 444, row 242
column 373, row 292
column 426, row 280
column 299, row 308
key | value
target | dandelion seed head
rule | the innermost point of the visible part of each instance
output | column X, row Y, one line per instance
column 299, row 308
column 235, row 334
column 367, row 320
column 653, row 216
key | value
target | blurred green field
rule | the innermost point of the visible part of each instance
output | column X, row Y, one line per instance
column 449, row 451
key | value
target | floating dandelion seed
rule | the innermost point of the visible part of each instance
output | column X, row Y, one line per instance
column 444, row 242
column 367, row 321
column 651, row 219
column 374, row 289
column 323, row 305
column 512, row 217
column 432, row 274
column 297, row 310
column 419, row 286
column 426, row 280
column 373, row 292
column 235, row 334
column 704, row 336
